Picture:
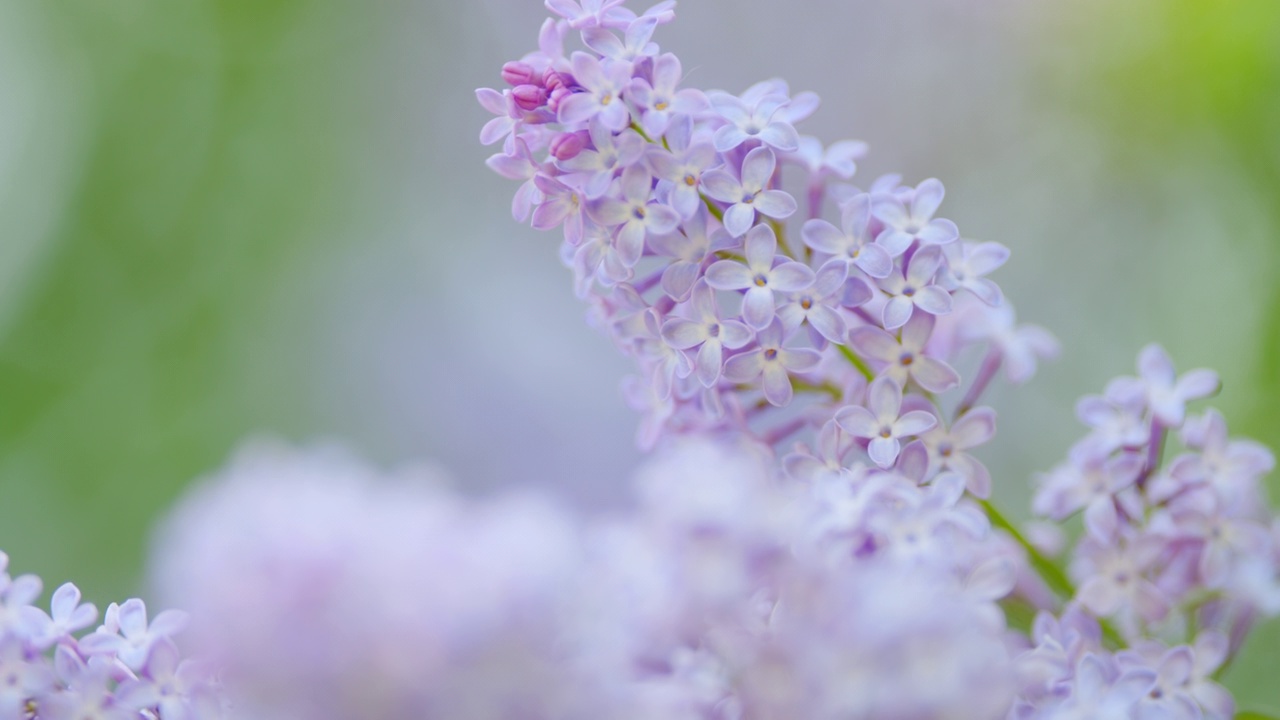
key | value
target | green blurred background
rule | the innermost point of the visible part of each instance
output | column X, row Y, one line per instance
column 228, row 217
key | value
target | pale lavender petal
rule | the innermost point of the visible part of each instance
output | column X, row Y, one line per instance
column 637, row 184
column 577, row 108
column 168, row 623
column 1100, row 518
column 495, row 130
column 780, row 135
column 823, row 237
column 934, row 375
column 890, row 211
column 757, row 168
column 857, row 292
column 757, row 307
column 678, row 279
column 917, row 331
column 133, row 619
column 985, row 257
column 760, row 248
column 914, row 423
column 985, row 290
column 1154, row 365
column 857, row 421
column 777, row 204
column 630, row 243
column 492, row 100
column 897, row 311
column 884, row 398
column 729, row 137
column 791, row 276
column 894, row 242
column 728, row 275
column 933, row 299
column 777, row 385
column 744, row 368
column 1197, row 384
column 828, row 323
column 977, row 477
column 974, row 428
column 883, row 450
column 738, row 219
column 685, row 200
column 875, row 344
column 683, row 334
column 924, row 265
column 708, row 363
column 722, row 186
column 1099, row 596
column 661, row 219
column 587, row 70
column 734, row 334
column 615, row 116
column 1216, row 700
column 64, row 601
column 874, row 260
column 1176, row 665
column 800, row 359
column 993, row 579
column 830, row 277
column 927, row 198
column 939, row 232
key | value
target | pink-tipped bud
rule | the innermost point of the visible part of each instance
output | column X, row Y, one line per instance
column 553, row 80
column 567, row 145
column 553, row 100
column 529, row 97
column 519, row 73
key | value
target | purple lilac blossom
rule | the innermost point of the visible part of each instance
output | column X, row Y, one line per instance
column 1188, row 543
column 116, row 672
column 749, row 193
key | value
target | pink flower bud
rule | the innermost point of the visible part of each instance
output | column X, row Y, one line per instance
column 557, row 94
column 529, row 97
column 553, row 80
column 519, row 73
column 567, row 145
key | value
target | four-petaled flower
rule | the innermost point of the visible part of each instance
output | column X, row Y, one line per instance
column 750, row 194
column 882, row 421
column 772, row 362
column 707, row 332
column 760, row 277
column 904, row 226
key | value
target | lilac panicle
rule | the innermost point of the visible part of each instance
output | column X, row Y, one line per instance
column 683, row 234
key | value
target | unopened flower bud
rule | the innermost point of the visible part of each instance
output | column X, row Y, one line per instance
column 529, row 97
column 558, row 94
column 568, row 145
column 519, row 73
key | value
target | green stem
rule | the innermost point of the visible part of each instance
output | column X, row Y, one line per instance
column 1053, row 575
column 1048, row 570
column 856, row 362
column 781, row 233
column 643, row 134
column 826, row 387
column 711, row 206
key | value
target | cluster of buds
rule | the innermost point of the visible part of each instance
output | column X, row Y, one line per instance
column 126, row 669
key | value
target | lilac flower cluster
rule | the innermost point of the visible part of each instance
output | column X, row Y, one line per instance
column 326, row 589
column 126, row 669
column 831, row 356
column 674, row 223
column 1180, row 556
